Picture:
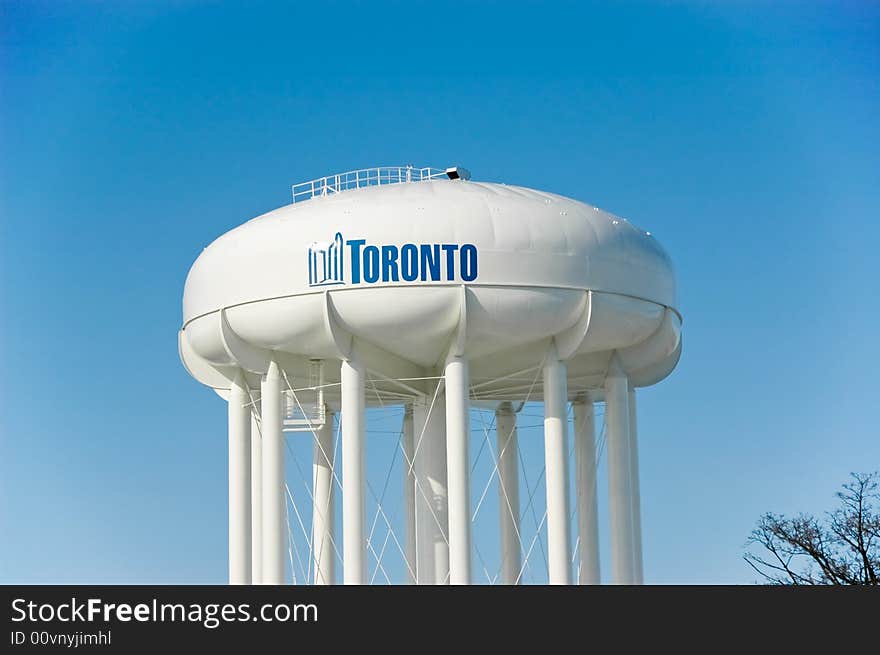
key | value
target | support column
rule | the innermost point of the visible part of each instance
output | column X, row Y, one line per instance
column 354, row 552
column 274, row 497
column 617, row 438
column 239, row 483
column 458, row 470
column 256, row 499
column 508, row 493
column 432, row 502
column 585, row 475
column 323, row 503
column 409, row 493
column 638, row 569
column 556, row 461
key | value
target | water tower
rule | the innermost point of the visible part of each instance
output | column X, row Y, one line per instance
column 420, row 289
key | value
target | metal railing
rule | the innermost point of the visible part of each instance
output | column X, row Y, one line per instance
column 381, row 175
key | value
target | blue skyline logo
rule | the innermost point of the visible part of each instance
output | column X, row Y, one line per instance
column 325, row 263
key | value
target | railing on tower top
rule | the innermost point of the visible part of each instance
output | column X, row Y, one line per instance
column 381, row 175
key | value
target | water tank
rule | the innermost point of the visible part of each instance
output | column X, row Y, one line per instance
column 404, row 271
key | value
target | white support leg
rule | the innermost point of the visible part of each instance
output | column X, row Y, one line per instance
column 354, row 553
column 274, row 497
column 256, row 499
column 638, row 569
column 587, row 505
column 556, row 460
column 617, row 431
column 458, row 470
column 508, row 493
column 322, row 504
column 409, row 493
column 432, row 502
column 239, row 483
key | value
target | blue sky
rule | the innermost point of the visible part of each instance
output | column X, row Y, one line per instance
column 744, row 135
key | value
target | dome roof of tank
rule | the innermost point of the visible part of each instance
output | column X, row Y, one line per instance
column 524, row 237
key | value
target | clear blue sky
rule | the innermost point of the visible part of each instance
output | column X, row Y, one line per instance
column 745, row 136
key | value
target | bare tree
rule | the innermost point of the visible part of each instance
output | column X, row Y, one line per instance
column 844, row 549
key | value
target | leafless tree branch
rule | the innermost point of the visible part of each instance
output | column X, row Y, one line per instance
column 844, row 550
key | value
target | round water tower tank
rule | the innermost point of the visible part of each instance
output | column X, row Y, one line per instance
column 404, row 266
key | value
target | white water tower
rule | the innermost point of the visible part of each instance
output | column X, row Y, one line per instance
column 423, row 290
